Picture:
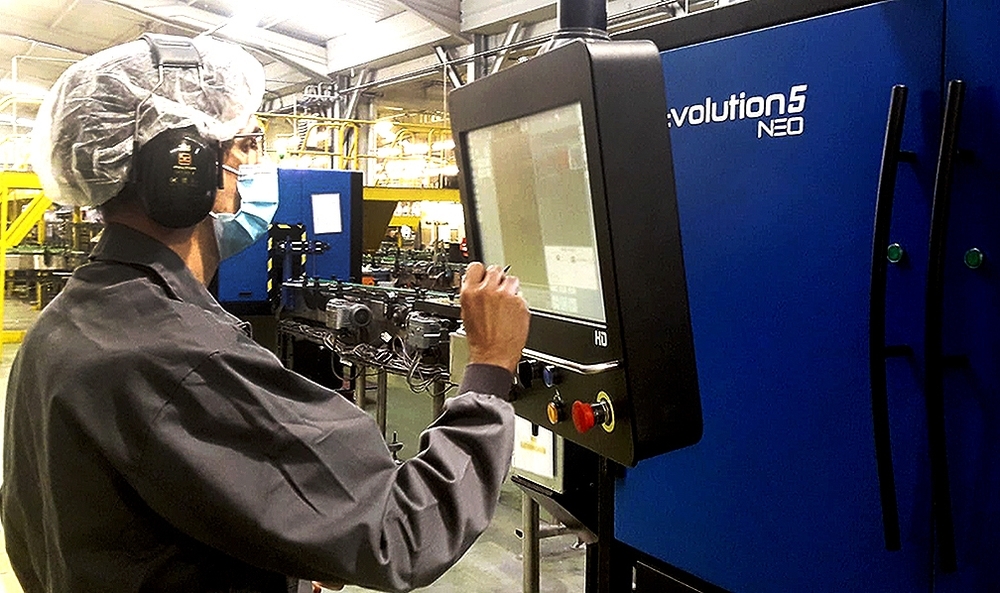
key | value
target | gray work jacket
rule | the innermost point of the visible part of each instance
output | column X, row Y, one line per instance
column 150, row 445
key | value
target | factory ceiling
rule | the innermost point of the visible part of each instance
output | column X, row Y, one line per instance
column 303, row 44
column 38, row 38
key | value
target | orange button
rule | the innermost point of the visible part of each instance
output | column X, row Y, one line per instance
column 555, row 412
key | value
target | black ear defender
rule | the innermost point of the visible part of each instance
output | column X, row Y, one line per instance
column 177, row 172
column 176, row 176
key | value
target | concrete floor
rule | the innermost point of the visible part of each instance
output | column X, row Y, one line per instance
column 492, row 565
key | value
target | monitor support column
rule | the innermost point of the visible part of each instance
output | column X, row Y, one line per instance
column 607, row 571
column 579, row 19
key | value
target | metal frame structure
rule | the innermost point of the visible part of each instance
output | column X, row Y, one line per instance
column 14, row 231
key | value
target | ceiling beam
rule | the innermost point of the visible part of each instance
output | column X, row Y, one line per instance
column 393, row 37
column 63, row 13
column 445, row 58
column 443, row 14
column 305, row 57
column 488, row 15
column 30, row 31
column 45, row 43
column 508, row 39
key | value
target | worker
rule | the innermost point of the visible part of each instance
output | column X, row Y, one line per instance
column 150, row 444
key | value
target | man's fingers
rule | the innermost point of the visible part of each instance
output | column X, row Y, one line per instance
column 474, row 274
column 494, row 276
column 479, row 279
column 511, row 285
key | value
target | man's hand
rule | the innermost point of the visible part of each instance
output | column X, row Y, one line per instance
column 495, row 315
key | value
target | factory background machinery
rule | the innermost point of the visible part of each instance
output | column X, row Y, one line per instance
column 319, row 222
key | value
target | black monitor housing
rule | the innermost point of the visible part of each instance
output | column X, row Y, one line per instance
column 566, row 176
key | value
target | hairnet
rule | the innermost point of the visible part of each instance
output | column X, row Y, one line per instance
column 82, row 141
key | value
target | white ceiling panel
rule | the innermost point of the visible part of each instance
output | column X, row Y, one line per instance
column 298, row 41
column 40, row 38
column 491, row 16
column 393, row 36
column 445, row 14
column 324, row 21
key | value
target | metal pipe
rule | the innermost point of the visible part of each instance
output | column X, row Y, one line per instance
column 524, row 44
column 548, row 531
column 13, row 80
column 41, row 59
column 447, row 64
column 13, row 105
column 628, row 14
column 8, row 100
column 381, row 397
column 44, row 44
column 508, row 40
column 421, row 72
column 360, row 386
column 579, row 19
column 438, row 388
column 352, row 102
column 582, row 18
column 529, row 545
column 63, row 14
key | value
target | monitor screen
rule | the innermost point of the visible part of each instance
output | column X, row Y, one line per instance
column 532, row 199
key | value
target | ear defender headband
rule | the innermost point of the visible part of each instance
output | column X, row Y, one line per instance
column 177, row 173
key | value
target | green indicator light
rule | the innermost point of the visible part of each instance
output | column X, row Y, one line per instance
column 895, row 253
column 974, row 258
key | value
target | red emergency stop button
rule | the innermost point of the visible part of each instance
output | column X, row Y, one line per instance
column 583, row 416
column 586, row 416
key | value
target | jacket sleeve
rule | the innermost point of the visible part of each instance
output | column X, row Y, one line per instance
column 284, row 474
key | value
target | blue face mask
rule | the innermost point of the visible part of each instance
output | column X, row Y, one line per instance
column 257, row 186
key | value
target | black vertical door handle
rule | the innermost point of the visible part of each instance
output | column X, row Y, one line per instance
column 944, row 527
column 877, row 350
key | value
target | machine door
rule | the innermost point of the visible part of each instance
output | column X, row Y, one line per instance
column 971, row 311
column 777, row 141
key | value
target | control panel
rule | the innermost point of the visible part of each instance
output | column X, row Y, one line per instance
column 565, row 175
column 576, row 402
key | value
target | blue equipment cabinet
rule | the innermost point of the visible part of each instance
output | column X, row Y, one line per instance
column 328, row 198
column 971, row 306
column 778, row 131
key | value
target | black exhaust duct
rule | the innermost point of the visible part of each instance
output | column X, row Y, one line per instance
column 583, row 18
column 580, row 19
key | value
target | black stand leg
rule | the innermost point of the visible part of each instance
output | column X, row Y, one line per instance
column 608, row 567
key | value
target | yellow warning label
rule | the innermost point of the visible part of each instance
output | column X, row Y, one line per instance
column 534, row 447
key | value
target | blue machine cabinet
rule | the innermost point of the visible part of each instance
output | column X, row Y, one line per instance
column 306, row 197
column 777, row 136
column 971, row 318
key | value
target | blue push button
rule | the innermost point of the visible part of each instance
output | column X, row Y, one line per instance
column 551, row 375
